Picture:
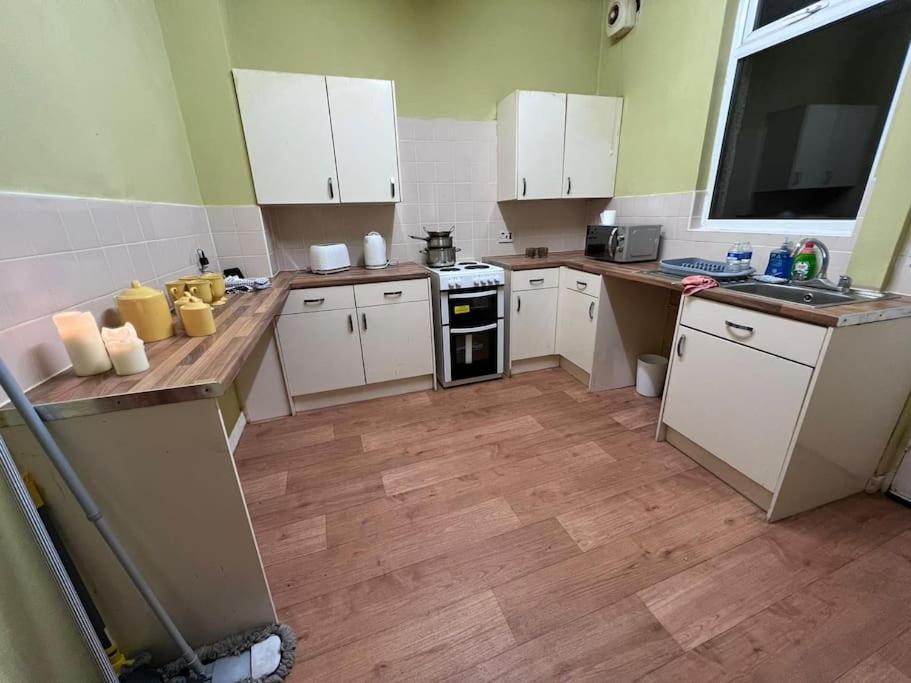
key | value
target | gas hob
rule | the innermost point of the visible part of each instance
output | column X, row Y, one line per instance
column 468, row 275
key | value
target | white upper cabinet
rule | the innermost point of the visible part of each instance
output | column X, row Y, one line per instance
column 318, row 139
column 590, row 149
column 366, row 144
column 553, row 145
column 289, row 136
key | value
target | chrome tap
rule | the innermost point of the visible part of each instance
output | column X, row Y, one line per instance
column 821, row 281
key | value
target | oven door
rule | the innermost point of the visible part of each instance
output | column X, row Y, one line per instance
column 473, row 351
column 472, row 308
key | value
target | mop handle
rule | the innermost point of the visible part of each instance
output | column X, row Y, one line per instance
column 93, row 512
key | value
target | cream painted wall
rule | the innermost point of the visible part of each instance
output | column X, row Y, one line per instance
column 88, row 103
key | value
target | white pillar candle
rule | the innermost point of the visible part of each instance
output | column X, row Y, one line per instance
column 82, row 341
column 126, row 349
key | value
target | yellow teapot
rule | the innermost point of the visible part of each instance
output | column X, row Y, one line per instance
column 147, row 309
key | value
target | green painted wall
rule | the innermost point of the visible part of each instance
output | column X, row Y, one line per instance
column 449, row 58
column 88, row 102
column 38, row 640
column 194, row 35
column 664, row 69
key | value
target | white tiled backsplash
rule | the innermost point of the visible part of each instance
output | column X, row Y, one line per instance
column 69, row 253
column 448, row 178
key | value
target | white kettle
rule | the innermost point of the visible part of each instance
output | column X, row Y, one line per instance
column 375, row 251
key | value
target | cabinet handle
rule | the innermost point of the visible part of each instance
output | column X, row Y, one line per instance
column 331, row 189
column 350, row 324
column 536, row 280
column 591, row 311
column 398, row 293
column 364, row 319
column 519, row 303
column 738, row 326
column 392, row 186
column 569, row 185
column 581, row 285
column 680, row 344
column 524, row 186
column 313, row 302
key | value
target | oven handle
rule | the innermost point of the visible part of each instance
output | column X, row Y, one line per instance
column 472, row 330
column 472, row 295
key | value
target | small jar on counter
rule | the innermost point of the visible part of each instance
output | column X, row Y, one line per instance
column 126, row 349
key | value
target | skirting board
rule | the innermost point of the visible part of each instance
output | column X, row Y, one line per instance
column 365, row 393
column 574, row 370
column 532, row 364
column 737, row 481
column 237, row 432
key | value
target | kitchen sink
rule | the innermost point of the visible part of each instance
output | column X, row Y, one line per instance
column 806, row 296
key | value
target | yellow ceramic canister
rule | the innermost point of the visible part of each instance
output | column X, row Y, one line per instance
column 147, row 309
column 201, row 288
column 197, row 319
column 217, row 281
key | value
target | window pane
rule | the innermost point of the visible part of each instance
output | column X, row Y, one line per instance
column 773, row 10
column 806, row 116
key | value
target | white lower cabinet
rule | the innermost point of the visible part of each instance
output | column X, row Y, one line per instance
column 324, row 350
column 532, row 323
column 577, row 323
column 738, row 403
column 321, row 351
column 395, row 339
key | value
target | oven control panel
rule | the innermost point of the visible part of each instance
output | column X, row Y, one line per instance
column 472, row 280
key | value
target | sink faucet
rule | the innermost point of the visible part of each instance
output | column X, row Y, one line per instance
column 821, row 281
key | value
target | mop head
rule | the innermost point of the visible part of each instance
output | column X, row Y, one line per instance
column 263, row 655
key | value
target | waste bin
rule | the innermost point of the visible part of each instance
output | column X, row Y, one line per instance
column 651, row 371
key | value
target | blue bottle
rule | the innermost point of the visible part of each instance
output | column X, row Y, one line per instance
column 780, row 261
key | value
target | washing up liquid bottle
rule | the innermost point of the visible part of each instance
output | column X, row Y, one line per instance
column 780, row 261
column 806, row 263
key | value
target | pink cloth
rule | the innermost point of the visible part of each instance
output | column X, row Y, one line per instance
column 696, row 283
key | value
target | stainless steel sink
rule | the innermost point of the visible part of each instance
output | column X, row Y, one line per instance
column 806, row 296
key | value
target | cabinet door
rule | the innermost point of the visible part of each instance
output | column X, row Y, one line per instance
column 366, row 141
column 532, row 323
column 321, row 351
column 396, row 341
column 539, row 155
column 590, row 151
column 577, row 321
column 288, row 135
column 738, row 403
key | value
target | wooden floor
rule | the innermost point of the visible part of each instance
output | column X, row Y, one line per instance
column 526, row 530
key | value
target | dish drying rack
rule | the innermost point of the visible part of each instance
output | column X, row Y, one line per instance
column 697, row 266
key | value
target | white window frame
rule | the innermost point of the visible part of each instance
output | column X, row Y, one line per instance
column 747, row 41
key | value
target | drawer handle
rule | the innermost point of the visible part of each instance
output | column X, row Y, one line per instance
column 680, row 343
column 738, row 326
column 591, row 311
column 518, row 304
column 364, row 318
column 313, row 302
column 350, row 324
column 537, row 280
column 398, row 293
column 581, row 285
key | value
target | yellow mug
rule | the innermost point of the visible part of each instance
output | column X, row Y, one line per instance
column 175, row 289
column 201, row 288
column 217, row 281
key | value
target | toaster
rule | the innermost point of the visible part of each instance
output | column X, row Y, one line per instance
column 623, row 243
column 329, row 258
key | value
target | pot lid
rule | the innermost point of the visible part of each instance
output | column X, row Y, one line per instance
column 137, row 290
column 196, row 305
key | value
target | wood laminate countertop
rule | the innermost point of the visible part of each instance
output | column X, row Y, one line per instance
column 830, row 316
column 187, row 368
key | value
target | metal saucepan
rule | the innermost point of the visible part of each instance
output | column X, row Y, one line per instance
column 436, row 239
column 439, row 257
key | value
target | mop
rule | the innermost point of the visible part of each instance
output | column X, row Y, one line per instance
column 262, row 655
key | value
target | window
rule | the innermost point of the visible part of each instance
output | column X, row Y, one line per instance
column 808, row 96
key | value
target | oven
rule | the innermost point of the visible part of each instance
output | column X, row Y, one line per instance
column 472, row 340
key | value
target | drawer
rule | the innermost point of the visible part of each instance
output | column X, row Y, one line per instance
column 791, row 339
column 319, row 299
column 587, row 283
column 395, row 292
column 539, row 278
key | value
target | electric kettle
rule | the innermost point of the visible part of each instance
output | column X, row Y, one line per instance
column 375, row 251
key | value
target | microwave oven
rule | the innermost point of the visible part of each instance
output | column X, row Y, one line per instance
column 623, row 243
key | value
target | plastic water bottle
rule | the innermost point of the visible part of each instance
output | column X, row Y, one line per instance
column 746, row 255
column 733, row 258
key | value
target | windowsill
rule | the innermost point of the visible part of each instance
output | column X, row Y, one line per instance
column 775, row 227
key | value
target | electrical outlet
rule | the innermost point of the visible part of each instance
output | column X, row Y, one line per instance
column 505, row 237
